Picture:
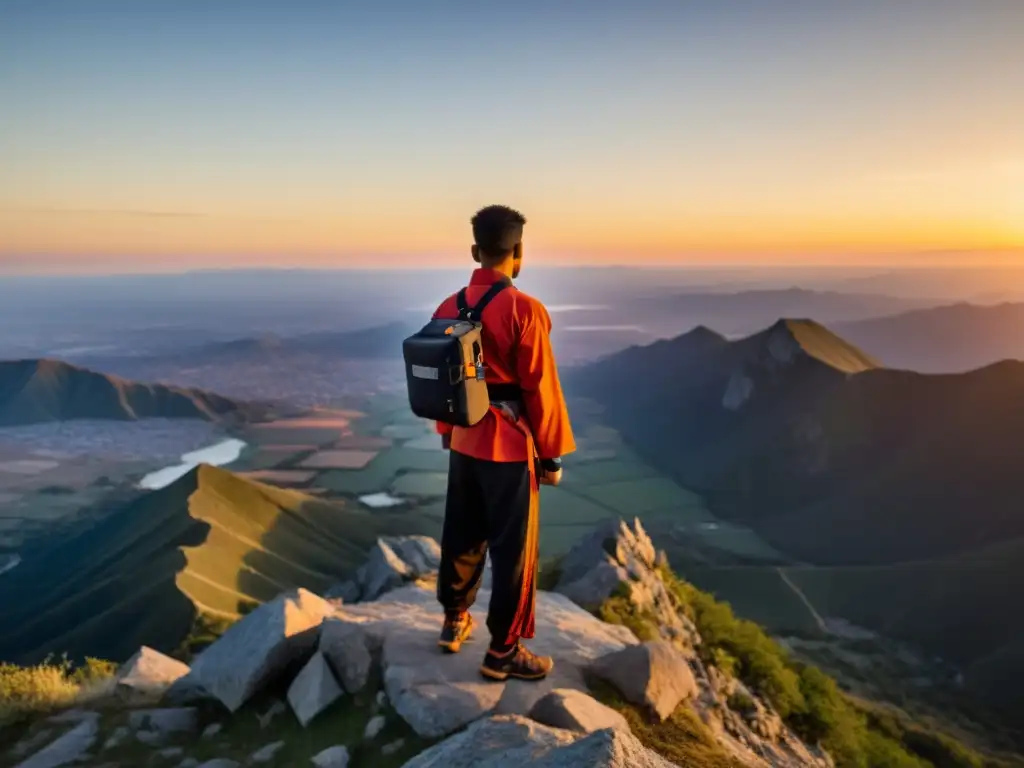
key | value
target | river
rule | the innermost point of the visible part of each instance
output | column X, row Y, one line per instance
column 10, row 564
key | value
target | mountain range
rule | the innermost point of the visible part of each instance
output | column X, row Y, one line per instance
column 911, row 334
column 946, row 339
column 374, row 342
column 743, row 312
column 803, row 434
column 35, row 391
column 897, row 493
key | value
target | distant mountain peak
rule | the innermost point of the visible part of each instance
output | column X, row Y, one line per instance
column 789, row 337
column 702, row 333
column 41, row 390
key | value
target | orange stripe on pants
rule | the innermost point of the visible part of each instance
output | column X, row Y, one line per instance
column 524, row 621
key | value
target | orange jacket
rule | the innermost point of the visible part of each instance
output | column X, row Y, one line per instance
column 517, row 350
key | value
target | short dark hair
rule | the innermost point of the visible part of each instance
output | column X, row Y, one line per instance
column 497, row 229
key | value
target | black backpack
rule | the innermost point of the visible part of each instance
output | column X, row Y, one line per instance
column 444, row 365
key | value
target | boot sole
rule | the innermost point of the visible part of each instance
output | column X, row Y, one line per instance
column 453, row 647
column 493, row 674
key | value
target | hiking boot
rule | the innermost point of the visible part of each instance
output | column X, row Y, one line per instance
column 519, row 663
column 455, row 632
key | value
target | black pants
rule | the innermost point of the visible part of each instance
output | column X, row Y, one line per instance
column 490, row 505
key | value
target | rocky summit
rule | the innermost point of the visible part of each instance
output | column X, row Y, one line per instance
column 304, row 680
column 438, row 694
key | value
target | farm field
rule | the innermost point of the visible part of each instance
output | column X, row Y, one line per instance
column 604, row 479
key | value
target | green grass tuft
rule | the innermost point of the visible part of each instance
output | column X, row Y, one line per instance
column 619, row 610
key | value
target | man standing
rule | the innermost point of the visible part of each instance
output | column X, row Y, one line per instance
column 497, row 465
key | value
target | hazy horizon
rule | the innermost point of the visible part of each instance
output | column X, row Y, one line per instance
column 142, row 137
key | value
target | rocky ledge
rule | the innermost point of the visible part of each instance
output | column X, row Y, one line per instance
column 378, row 659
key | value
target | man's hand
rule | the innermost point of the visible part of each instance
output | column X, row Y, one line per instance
column 549, row 471
column 550, row 478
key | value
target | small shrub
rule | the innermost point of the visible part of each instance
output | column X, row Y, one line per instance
column 40, row 689
column 206, row 630
column 93, row 671
column 742, row 703
column 880, row 751
column 622, row 590
column 725, row 661
column 619, row 610
column 824, row 706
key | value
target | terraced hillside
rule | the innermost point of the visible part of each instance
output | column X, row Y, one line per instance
column 211, row 542
column 34, row 391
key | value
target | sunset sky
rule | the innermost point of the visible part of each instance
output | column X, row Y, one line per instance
column 170, row 134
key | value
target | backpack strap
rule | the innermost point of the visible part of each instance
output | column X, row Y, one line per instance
column 474, row 314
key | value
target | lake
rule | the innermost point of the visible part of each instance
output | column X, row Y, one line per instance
column 219, row 454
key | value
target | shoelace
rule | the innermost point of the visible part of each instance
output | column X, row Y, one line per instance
column 528, row 656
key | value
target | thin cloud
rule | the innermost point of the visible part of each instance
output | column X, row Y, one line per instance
column 145, row 214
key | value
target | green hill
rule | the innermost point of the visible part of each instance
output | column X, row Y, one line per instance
column 958, row 607
column 33, row 391
column 211, row 543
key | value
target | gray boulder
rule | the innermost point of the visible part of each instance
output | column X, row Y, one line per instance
column 70, row 716
column 393, row 561
column 150, row 738
column 437, row 694
column 220, row 762
column 31, row 742
column 596, row 585
column 332, row 757
column 266, row 754
column 608, row 748
column 165, row 721
column 574, row 710
column 184, row 691
column 374, row 727
column 654, row 675
column 313, row 690
column 118, row 737
column 346, row 592
column 150, row 673
column 346, row 646
column 258, row 647
column 69, row 748
column 511, row 741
